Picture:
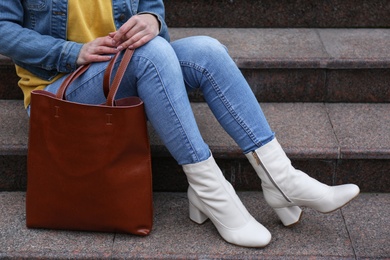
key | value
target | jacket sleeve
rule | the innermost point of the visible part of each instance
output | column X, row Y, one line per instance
column 155, row 7
column 26, row 46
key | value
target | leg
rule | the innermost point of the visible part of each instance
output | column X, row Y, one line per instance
column 169, row 110
column 154, row 74
column 206, row 65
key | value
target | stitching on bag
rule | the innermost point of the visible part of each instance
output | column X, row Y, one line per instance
column 57, row 110
column 109, row 122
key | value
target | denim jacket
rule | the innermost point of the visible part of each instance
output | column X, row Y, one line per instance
column 33, row 32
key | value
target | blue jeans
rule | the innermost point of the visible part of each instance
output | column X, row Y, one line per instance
column 161, row 73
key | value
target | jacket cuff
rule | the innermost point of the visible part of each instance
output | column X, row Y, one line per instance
column 69, row 55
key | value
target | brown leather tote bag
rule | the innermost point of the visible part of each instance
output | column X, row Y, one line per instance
column 89, row 166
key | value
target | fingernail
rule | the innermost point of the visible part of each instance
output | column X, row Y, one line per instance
column 119, row 48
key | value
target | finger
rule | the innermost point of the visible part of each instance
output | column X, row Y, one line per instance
column 139, row 37
column 87, row 59
column 104, row 41
column 101, row 46
column 120, row 34
column 100, row 58
column 140, row 41
column 103, row 50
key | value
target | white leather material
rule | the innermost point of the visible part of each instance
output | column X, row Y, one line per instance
column 284, row 186
column 213, row 196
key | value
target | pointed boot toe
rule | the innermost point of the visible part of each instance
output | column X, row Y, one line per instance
column 339, row 196
column 253, row 234
column 286, row 188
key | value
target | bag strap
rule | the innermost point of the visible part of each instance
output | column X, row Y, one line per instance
column 119, row 76
column 109, row 92
column 107, row 75
column 74, row 75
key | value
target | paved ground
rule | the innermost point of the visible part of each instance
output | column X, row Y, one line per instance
column 359, row 231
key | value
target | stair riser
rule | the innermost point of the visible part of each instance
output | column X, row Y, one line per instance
column 291, row 65
column 277, row 14
column 317, row 85
column 283, row 85
column 370, row 175
column 9, row 83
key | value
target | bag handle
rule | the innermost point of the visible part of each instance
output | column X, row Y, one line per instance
column 107, row 75
column 74, row 75
column 110, row 92
column 118, row 76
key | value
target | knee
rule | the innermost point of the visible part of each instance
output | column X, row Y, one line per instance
column 199, row 47
column 157, row 51
column 206, row 44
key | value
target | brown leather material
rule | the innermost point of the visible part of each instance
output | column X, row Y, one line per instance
column 89, row 166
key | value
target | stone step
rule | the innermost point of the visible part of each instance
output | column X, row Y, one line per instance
column 278, row 14
column 358, row 231
column 291, row 65
column 333, row 142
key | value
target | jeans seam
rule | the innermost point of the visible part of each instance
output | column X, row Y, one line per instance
column 172, row 110
column 229, row 108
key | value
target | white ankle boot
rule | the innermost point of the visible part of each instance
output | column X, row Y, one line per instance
column 212, row 196
column 285, row 188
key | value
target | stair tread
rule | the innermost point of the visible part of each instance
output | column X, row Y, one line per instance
column 300, row 48
column 296, row 48
column 306, row 130
column 174, row 236
column 291, row 65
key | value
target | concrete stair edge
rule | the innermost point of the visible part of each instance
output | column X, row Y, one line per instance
column 335, row 143
column 291, row 65
column 332, row 130
column 266, row 48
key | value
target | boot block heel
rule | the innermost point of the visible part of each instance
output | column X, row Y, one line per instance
column 289, row 215
column 196, row 215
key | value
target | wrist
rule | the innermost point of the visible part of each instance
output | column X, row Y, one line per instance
column 158, row 22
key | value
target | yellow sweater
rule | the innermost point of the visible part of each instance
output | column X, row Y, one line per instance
column 87, row 20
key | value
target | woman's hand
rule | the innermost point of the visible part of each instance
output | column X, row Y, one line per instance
column 97, row 50
column 137, row 31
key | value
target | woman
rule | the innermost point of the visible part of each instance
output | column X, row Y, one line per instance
column 48, row 39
